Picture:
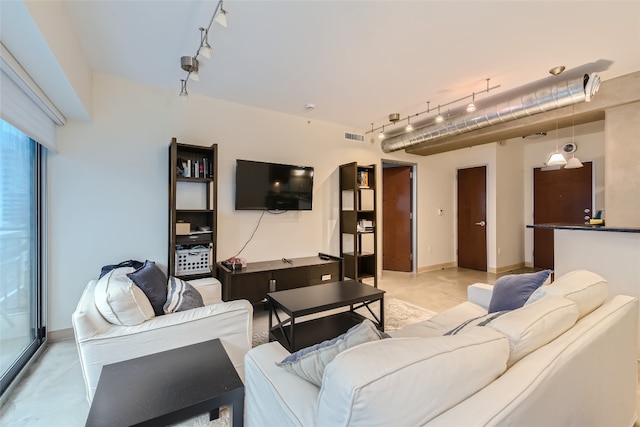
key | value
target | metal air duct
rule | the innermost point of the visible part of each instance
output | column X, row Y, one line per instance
column 542, row 100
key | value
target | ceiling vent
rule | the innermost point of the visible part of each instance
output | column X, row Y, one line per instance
column 353, row 137
column 528, row 104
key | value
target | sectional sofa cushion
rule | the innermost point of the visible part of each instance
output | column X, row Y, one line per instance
column 309, row 363
column 120, row 301
column 423, row 377
column 513, row 290
column 153, row 283
column 585, row 288
column 534, row 325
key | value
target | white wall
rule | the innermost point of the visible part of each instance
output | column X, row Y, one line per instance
column 509, row 204
column 108, row 184
column 437, row 235
column 590, row 140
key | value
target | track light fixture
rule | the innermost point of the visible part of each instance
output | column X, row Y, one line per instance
column 472, row 106
column 381, row 134
column 183, row 89
column 395, row 117
column 408, row 128
column 221, row 15
column 205, row 47
column 190, row 63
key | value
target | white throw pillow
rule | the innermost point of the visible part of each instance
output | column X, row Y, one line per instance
column 120, row 301
column 585, row 288
column 532, row 326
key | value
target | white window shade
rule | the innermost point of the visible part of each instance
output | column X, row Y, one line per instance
column 25, row 106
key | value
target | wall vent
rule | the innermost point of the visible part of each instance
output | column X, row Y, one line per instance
column 353, row 137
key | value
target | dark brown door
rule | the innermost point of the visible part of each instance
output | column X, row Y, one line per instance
column 560, row 196
column 396, row 214
column 472, row 218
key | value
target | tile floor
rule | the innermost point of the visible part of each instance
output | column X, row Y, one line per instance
column 52, row 393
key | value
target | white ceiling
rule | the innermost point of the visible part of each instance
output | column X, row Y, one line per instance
column 358, row 61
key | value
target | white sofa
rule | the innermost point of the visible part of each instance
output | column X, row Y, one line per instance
column 101, row 342
column 553, row 362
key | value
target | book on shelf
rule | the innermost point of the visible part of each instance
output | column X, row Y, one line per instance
column 363, row 178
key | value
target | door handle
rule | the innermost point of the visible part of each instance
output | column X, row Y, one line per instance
column 481, row 223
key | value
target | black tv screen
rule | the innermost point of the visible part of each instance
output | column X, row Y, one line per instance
column 273, row 186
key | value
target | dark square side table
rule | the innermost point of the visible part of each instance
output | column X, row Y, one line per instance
column 168, row 387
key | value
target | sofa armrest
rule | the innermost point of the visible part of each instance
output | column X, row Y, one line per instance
column 480, row 293
column 231, row 322
column 275, row 396
column 210, row 289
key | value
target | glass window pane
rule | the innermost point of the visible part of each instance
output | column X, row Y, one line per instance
column 18, row 246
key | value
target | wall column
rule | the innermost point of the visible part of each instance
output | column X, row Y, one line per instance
column 622, row 165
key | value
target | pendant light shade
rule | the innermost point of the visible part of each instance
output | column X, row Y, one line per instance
column 556, row 159
column 573, row 163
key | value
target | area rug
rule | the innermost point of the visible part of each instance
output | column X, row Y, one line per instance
column 397, row 314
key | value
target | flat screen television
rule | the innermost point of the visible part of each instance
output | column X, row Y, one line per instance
column 273, row 186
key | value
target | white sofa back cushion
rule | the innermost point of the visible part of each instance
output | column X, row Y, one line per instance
column 534, row 325
column 364, row 385
column 585, row 288
column 120, row 301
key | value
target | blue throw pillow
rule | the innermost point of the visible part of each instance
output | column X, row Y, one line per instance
column 153, row 283
column 512, row 291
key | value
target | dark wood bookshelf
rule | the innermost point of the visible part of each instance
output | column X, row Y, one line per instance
column 196, row 241
column 357, row 188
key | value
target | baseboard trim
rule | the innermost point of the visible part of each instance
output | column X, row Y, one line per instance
column 436, row 267
column 60, row 335
column 506, row 268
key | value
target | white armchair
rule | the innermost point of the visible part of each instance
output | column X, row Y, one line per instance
column 101, row 343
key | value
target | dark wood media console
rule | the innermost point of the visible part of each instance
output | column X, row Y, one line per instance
column 257, row 279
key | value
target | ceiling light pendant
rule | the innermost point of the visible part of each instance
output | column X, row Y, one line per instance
column 573, row 162
column 183, row 89
column 408, row 128
column 221, row 16
column 205, row 47
column 381, row 134
column 556, row 158
column 472, row 106
column 439, row 118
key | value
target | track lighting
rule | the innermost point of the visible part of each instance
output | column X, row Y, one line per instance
column 183, row 89
column 190, row 63
column 205, row 47
column 408, row 128
column 221, row 16
column 472, row 106
column 395, row 117
column 381, row 134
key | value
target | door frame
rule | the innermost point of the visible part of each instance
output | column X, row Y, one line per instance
column 489, row 214
column 414, row 209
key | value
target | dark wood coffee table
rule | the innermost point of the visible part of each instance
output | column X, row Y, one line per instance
column 300, row 302
column 168, row 387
